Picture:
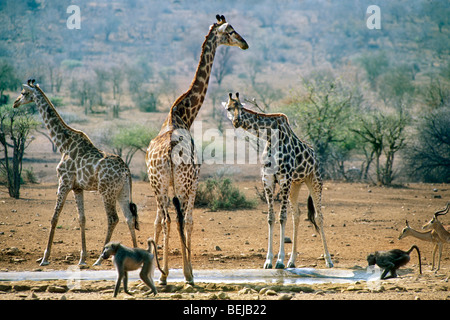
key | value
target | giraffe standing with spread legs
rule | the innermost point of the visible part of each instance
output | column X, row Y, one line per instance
column 289, row 162
column 83, row 167
column 171, row 157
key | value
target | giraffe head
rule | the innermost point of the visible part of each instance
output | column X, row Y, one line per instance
column 234, row 109
column 227, row 35
column 27, row 94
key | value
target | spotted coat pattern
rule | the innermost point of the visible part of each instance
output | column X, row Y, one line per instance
column 288, row 161
column 171, row 157
column 83, row 167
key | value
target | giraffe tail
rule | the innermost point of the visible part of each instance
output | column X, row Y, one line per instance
column 180, row 216
column 133, row 206
column 312, row 213
column 133, row 209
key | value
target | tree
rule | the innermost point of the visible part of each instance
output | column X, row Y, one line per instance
column 8, row 80
column 15, row 128
column 375, row 65
column 384, row 134
column 324, row 113
column 428, row 156
column 126, row 141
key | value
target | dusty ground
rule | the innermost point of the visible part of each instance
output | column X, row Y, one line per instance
column 359, row 219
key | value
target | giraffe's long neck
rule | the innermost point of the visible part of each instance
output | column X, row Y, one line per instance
column 185, row 109
column 263, row 125
column 60, row 133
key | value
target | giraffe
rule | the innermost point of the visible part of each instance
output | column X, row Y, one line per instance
column 171, row 156
column 83, row 167
column 290, row 162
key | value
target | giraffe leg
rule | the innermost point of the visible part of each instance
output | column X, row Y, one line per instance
column 285, row 190
column 295, row 189
column 269, row 186
column 124, row 202
column 315, row 190
column 166, row 235
column 113, row 219
column 185, row 249
column 162, row 224
column 78, row 193
column 188, row 227
column 63, row 191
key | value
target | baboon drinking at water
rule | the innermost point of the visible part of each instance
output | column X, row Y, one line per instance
column 391, row 260
column 129, row 259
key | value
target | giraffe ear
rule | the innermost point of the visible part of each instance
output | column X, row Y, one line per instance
column 224, row 104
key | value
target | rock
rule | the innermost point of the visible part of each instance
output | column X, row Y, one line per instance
column 287, row 240
column 188, row 288
column 5, row 287
column 176, row 296
column 56, row 289
column 285, row 297
column 12, row 251
column 263, row 291
column 247, row 291
column 19, row 287
column 223, row 296
column 218, row 248
column 271, row 293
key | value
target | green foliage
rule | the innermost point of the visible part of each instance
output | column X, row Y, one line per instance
column 8, row 79
column 324, row 112
column 71, row 64
column 428, row 156
column 221, row 194
column 15, row 128
column 128, row 140
column 146, row 101
column 374, row 64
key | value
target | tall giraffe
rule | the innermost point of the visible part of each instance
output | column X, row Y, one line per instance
column 289, row 162
column 83, row 167
column 171, row 157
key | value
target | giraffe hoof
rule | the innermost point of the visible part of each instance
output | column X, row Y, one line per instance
column 98, row 262
column 329, row 264
column 163, row 282
column 268, row 265
column 291, row 265
column 44, row 263
column 279, row 265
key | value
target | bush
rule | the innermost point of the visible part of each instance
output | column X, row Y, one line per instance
column 220, row 194
column 428, row 156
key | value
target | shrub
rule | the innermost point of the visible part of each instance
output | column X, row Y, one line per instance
column 221, row 194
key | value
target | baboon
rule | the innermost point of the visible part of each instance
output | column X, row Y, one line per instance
column 391, row 260
column 129, row 259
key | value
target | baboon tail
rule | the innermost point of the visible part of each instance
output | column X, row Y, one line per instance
column 312, row 213
column 418, row 254
column 151, row 242
column 180, row 216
